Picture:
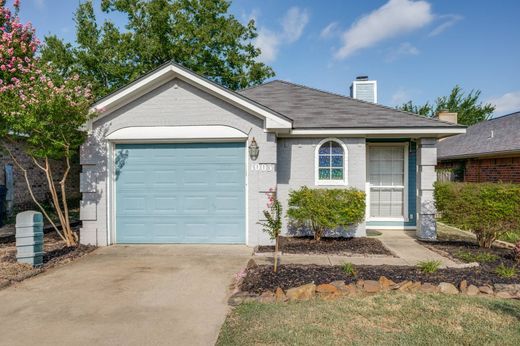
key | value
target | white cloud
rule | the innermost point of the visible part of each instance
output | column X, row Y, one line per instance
column 404, row 49
column 293, row 23
column 394, row 18
column 330, row 31
column 507, row 103
column 449, row 20
column 269, row 41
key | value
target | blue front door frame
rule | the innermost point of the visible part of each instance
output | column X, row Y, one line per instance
column 180, row 193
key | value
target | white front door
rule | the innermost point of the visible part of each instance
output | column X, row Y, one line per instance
column 387, row 167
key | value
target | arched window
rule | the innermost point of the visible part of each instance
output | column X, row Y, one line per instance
column 331, row 157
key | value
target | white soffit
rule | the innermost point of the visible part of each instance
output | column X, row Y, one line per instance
column 176, row 133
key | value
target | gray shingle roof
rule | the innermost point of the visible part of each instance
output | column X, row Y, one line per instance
column 313, row 108
column 496, row 136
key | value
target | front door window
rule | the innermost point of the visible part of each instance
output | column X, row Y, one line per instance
column 386, row 175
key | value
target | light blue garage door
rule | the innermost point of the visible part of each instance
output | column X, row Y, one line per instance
column 180, row 193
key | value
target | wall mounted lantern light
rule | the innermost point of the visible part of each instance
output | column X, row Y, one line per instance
column 254, row 150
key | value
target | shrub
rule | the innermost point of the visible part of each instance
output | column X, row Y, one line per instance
column 349, row 269
column 480, row 257
column 273, row 223
column 505, row 272
column 486, row 209
column 429, row 267
column 322, row 209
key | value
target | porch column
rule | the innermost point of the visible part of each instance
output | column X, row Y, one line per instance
column 426, row 177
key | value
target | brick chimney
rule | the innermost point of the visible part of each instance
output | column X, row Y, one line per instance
column 450, row 117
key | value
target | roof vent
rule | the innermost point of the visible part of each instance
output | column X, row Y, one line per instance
column 364, row 89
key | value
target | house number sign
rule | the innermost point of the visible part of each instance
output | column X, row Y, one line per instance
column 262, row 167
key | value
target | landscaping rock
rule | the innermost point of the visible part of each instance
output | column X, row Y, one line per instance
column 447, row 288
column 511, row 288
column 242, row 297
column 279, row 295
column 463, row 286
column 504, row 295
column 385, row 283
column 251, row 264
column 486, row 289
column 414, row 287
column 429, row 288
column 304, row 292
column 403, row 286
column 359, row 283
column 339, row 284
column 472, row 290
column 267, row 297
column 325, row 289
column 371, row 286
column 351, row 289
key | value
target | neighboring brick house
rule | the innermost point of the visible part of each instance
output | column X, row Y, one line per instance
column 488, row 152
column 19, row 198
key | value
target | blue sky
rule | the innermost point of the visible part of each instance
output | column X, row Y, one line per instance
column 416, row 50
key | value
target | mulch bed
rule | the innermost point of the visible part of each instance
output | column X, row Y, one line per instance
column 330, row 246
column 56, row 253
column 262, row 278
column 454, row 249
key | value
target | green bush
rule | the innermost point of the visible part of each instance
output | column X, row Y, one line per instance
column 505, row 272
column 349, row 269
column 429, row 267
column 322, row 209
column 489, row 210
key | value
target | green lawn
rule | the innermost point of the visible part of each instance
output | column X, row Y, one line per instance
column 390, row 319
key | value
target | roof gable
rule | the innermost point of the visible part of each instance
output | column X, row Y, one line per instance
column 169, row 71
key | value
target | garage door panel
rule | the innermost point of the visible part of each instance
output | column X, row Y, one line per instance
column 181, row 193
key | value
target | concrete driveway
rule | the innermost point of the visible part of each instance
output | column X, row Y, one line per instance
column 125, row 295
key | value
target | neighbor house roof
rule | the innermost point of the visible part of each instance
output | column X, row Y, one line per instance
column 498, row 136
column 311, row 108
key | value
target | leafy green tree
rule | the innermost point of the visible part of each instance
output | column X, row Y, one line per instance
column 470, row 110
column 199, row 34
column 326, row 209
column 42, row 110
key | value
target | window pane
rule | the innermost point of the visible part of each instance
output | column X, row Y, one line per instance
column 337, row 161
column 337, row 174
column 324, row 174
column 397, row 180
column 324, row 161
column 386, row 179
column 325, row 148
column 336, row 148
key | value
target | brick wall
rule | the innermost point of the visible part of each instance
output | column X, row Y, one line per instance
column 22, row 198
column 505, row 169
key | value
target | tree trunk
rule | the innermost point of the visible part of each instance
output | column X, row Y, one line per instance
column 485, row 240
column 275, row 268
column 317, row 234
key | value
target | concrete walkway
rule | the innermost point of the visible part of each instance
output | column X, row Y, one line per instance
column 125, row 295
column 402, row 244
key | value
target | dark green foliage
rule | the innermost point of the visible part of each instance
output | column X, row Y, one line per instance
column 429, row 267
column 349, row 269
column 322, row 209
column 486, row 209
column 470, row 110
column 505, row 272
column 198, row 34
